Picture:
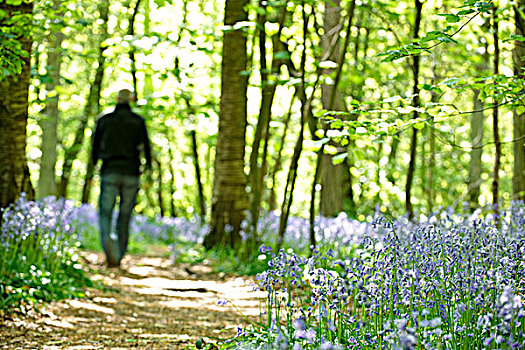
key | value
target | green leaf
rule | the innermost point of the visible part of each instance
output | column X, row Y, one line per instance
column 452, row 18
column 465, row 12
column 515, row 37
column 358, row 154
column 450, row 81
column 319, row 143
column 446, row 39
column 419, row 126
column 338, row 159
column 392, row 99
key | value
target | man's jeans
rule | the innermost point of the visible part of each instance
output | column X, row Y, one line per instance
column 113, row 185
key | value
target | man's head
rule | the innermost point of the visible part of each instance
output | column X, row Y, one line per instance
column 125, row 96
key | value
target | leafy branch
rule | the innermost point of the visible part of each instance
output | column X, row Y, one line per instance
column 415, row 48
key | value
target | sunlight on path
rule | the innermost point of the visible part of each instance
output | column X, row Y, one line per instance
column 149, row 304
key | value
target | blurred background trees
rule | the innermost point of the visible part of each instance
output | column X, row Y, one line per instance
column 325, row 106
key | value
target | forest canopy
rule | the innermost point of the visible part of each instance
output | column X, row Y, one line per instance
column 398, row 106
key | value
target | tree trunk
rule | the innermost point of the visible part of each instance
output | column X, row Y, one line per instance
column 430, row 187
column 230, row 198
column 131, row 32
column 312, row 201
column 305, row 108
column 476, row 139
column 14, row 91
column 272, row 200
column 159, row 188
column 88, row 182
column 47, row 179
column 335, row 178
column 92, row 107
column 518, row 179
column 172, row 188
column 198, row 178
column 413, row 144
column 268, row 88
column 495, row 117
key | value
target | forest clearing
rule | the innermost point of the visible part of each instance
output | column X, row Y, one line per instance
column 260, row 174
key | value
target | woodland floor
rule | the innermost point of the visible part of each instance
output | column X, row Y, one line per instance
column 147, row 304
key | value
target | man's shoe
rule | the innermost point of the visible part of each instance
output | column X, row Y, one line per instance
column 112, row 265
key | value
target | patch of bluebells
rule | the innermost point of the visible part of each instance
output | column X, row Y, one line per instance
column 340, row 231
column 38, row 245
column 446, row 281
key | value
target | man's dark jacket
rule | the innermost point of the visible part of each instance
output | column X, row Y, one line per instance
column 119, row 137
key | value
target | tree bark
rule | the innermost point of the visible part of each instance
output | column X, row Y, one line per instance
column 335, row 178
column 131, row 32
column 172, row 189
column 476, row 139
column 518, row 179
column 47, row 185
column 198, row 179
column 495, row 117
column 230, row 198
column 272, row 201
column 159, row 187
column 413, row 143
column 268, row 88
column 298, row 148
column 14, row 91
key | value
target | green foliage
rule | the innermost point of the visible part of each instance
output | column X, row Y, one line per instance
column 11, row 54
column 40, row 261
column 15, row 26
column 437, row 37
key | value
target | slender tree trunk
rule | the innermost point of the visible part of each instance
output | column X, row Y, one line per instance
column 88, row 182
column 14, row 91
column 272, row 201
column 394, row 145
column 198, row 178
column 518, row 179
column 230, row 198
column 495, row 117
column 159, row 187
column 292, row 173
column 93, row 104
column 315, row 181
column 262, row 132
column 413, row 144
column 430, row 188
column 476, row 139
column 47, row 180
column 92, row 107
column 131, row 32
column 172, row 188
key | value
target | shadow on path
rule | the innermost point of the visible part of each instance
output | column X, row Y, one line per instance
column 148, row 304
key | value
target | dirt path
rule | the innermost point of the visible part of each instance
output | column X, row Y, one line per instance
column 148, row 304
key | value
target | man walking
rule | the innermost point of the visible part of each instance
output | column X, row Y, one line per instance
column 118, row 140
